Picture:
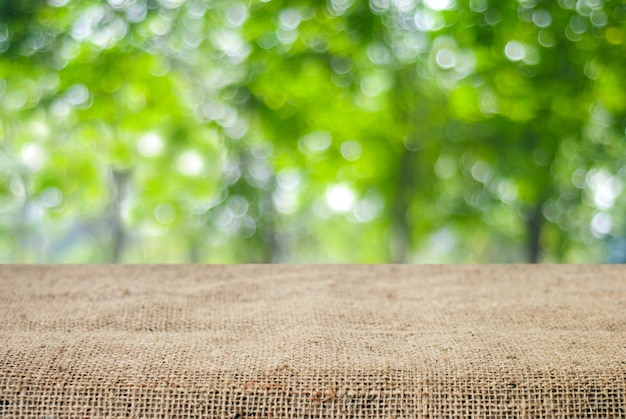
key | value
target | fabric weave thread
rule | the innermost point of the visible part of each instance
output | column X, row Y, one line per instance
column 321, row 341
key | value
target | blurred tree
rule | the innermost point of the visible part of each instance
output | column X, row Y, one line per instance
column 336, row 131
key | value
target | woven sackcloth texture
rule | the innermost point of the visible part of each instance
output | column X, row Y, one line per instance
column 251, row 341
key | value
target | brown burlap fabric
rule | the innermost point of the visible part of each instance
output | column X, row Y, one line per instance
column 313, row 341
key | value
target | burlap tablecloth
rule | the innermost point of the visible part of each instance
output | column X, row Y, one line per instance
column 313, row 341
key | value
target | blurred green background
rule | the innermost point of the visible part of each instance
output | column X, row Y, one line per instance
column 312, row 131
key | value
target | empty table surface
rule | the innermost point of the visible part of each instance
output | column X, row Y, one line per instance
column 383, row 341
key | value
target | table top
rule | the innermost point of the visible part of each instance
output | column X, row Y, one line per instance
column 313, row 340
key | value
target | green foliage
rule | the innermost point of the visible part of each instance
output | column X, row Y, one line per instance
column 337, row 131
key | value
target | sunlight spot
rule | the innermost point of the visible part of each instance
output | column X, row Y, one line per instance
column 404, row 6
column 542, row 18
column 136, row 12
column 284, row 201
column 50, row 197
column 77, row 94
column 379, row 6
column 443, row 241
column 172, row 4
column 103, row 38
column 340, row 198
column 315, row 142
column 379, row 54
column 339, row 7
column 546, row 38
column 290, row 19
column 150, row 145
column 351, row 150
column 445, row 58
column 237, row 14
column 375, row 84
column 160, row 26
column 81, row 30
column 58, row 3
column 286, row 37
column 599, row 18
column 567, row 4
column 440, row 4
column 33, row 156
column 165, row 213
column 232, row 44
column 341, row 65
column 578, row 24
column 17, row 187
column 445, row 167
column 286, row 196
column 190, row 163
column 60, row 108
column 368, row 208
column 481, row 171
column 488, row 103
column 237, row 205
column 119, row 4
column 247, row 227
column 426, row 21
column 515, row 51
column 601, row 224
column 507, row 191
column 478, row 6
column 260, row 171
column 604, row 187
column 14, row 99
column 289, row 179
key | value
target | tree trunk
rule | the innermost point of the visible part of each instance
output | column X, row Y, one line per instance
column 533, row 227
column 410, row 116
column 401, row 227
column 195, row 246
column 118, row 236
